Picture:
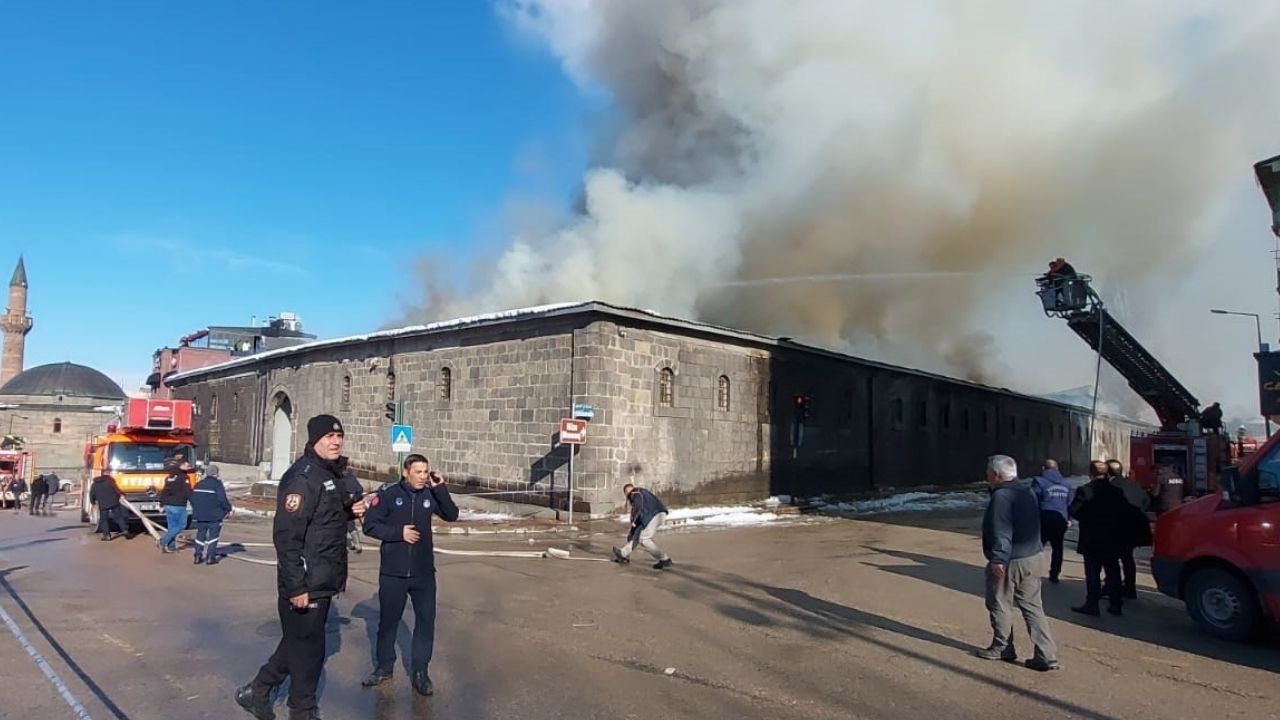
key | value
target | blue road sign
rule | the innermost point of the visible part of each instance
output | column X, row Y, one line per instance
column 401, row 438
column 582, row 411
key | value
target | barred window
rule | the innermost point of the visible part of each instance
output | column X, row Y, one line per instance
column 722, row 394
column 235, row 403
column 57, row 426
column 666, row 387
column 213, row 408
column 346, row 392
column 446, row 384
column 391, row 386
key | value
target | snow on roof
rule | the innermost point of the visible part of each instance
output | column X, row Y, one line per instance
column 381, row 335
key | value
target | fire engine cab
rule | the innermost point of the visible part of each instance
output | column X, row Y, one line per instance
column 135, row 450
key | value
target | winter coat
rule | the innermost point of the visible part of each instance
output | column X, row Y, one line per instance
column 1011, row 524
column 1138, row 525
column 209, row 501
column 1104, row 517
column 310, row 528
column 39, row 486
column 177, row 488
column 398, row 505
column 1053, row 492
column 644, row 506
column 104, row 493
column 1170, row 490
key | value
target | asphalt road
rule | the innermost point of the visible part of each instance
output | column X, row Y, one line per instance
column 833, row 619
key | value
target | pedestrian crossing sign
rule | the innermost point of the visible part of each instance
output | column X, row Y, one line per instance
column 401, row 438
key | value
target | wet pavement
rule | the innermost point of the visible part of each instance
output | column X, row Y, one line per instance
column 832, row 619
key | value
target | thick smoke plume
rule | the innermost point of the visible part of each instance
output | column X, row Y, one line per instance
column 754, row 139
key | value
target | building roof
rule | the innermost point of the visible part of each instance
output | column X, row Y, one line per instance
column 579, row 308
column 19, row 278
column 63, row 379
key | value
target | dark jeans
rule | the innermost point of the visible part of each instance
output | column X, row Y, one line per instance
column 207, row 534
column 299, row 656
column 38, row 503
column 392, row 593
column 108, row 516
column 1094, row 566
column 1128, row 573
column 1053, row 527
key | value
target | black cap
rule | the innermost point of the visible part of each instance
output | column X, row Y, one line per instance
column 321, row 425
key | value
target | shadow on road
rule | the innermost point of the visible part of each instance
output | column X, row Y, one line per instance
column 1157, row 624
column 29, row 543
column 766, row 605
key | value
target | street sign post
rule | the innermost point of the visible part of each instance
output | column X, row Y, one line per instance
column 402, row 438
column 572, row 432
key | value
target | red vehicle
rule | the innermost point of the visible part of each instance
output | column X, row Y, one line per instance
column 135, row 450
column 1221, row 554
column 15, row 464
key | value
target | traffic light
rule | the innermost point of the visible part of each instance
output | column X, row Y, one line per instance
column 390, row 414
column 804, row 407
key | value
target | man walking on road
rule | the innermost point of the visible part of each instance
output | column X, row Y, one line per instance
column 309, row 532
column 38, row 495
column 174, row 497
column 400, row 516
column 106, row 495
column 1054, row 493
column 209, row 505
column 1012, row 546
column 647, row 515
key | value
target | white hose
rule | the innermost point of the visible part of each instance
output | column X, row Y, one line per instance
column 556, row 553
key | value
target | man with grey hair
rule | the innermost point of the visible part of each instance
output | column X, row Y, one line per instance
column 1011, row 544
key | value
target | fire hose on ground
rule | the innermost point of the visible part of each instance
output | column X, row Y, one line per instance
column 555, row 553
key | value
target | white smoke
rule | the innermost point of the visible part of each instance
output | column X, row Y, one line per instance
column 762, row 138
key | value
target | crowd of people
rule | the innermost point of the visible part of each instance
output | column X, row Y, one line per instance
column 1025, row 516
column 37, row 496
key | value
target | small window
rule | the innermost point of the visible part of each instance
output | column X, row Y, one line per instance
column 213, row 408
column 346, row 392
column 446, row 384
column 964, row 420
column 986, row 422
column 722, row 393
column 895, row 412
column 1026, row 427
column 235, row 403
column 57, row 426
column 666, row 387
column 922, row 414
column 1013, row 426
column 391, row 386
column 945, row 416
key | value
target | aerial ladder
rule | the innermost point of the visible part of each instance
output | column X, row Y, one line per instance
column 1180, row 445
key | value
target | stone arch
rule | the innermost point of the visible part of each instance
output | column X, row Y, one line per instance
column 282, row 420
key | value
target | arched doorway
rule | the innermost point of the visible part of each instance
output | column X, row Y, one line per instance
column 281, row 436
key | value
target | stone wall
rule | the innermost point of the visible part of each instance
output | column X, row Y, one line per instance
column 56, row 430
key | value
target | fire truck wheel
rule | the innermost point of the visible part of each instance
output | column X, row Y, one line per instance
column 1222, row 604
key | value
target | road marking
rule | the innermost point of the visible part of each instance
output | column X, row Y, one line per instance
column 60, row 686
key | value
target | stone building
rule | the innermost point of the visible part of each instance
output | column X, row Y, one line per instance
column 698, row 412
column 56, row 409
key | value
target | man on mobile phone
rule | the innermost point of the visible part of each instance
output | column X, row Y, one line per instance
column 400, row 516
column 309, row 533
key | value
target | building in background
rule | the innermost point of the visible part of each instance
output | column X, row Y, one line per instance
column 219, row 343
column 16, row 323
column 56, row 409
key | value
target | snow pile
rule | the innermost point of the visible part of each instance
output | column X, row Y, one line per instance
column 721, row 515
column 908, row 502
column 469, row 515
column 777, row 500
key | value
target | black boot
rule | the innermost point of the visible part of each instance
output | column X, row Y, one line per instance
column 375, row 678
column 213, row 560
column 1087, row 609
column 257, row 704
column 662, row 564
column 422, row 682
column 198, row 559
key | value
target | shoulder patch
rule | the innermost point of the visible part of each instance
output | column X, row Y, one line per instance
column 292, row 502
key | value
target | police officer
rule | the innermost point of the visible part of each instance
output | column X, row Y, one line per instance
column 400, row 516
column 309, row 532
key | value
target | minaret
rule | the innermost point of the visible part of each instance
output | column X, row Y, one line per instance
column 15, row 324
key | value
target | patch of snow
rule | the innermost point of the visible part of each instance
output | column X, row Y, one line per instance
column 469, row 515
column 236, row 510
column 909, row 502
column 777, row 500
column 735, row 519
column 391, row 333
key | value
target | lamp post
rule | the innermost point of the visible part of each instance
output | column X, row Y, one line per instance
column 11, row 417
column 1257, row 321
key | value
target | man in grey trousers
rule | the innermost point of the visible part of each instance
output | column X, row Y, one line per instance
column 1011, row 543
column 647, row 515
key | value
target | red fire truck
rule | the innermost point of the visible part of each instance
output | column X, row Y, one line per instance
column 135, row 450
column 15, row 463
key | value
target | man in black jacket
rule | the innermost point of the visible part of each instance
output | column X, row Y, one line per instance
column 1139, row 534
column 209, row 505
column 106, row 495
column 400, row 516
column 647, row 515
column 174, row 497
column 1011, row 543
column 1104, row 515
column 309, row 532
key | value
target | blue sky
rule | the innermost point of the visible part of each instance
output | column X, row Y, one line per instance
column 170, row 165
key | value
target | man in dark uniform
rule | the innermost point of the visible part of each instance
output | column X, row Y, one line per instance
column 400, row 516
column 1102, row 511
column 1211, row 418
column 1168, row 490
column 38, row 489
column 309, row 532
